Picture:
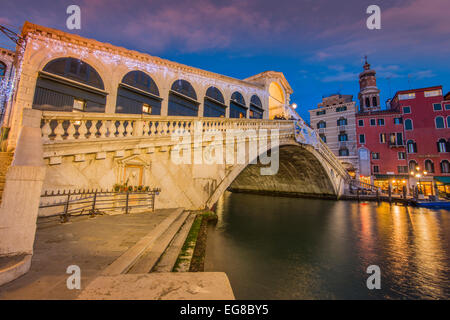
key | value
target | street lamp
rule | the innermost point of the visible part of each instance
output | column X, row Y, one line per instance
column 418, row 174
column 294, row 106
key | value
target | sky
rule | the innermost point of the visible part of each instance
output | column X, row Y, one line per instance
column 319, row 45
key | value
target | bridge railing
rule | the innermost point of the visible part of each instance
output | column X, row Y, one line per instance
column 67, row 126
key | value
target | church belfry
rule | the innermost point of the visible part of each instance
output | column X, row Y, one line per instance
column 369, row 94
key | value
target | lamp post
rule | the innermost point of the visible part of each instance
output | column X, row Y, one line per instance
column 418, row 174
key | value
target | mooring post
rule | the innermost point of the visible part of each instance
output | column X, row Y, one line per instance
column 390, row 193
column 66, row 208
column 357, row 193
column 93, row 203
column 126, row 203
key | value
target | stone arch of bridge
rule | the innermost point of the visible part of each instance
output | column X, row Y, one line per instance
column 301, row 172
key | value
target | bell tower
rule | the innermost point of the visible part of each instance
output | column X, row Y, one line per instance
column 369, row 94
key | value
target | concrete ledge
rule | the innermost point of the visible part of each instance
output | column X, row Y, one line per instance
column 128, row 259
column 13, row 267
column 160, row 286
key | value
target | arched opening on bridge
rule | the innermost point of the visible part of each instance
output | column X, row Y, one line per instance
column 276, row 101
column 256, row 108
column 214, row 105
column 182, row 99
column 238, row 109
column 300, row 173
column 69, row 84
column 138, row 94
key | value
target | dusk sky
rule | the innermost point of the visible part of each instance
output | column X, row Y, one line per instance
column 318, row 44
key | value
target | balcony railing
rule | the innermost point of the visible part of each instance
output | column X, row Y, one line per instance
column 342, row 128
column 67, row 126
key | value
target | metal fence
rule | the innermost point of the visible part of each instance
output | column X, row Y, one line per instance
column 95, row 202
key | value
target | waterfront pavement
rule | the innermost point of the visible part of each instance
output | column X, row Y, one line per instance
column 95, row 243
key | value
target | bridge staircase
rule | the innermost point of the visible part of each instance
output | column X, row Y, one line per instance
column 158, row 250
column 5, row 162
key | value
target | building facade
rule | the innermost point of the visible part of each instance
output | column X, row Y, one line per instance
column 334, row 119
column 426, row 123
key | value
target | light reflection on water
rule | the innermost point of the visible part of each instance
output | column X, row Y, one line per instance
column 288, row 248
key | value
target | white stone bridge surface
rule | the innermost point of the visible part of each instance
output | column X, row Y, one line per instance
column 94, row 150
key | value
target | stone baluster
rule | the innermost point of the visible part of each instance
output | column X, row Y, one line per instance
column 82, row 130
column 92, row 130
column 71, row 130
column 59, row 131
column 121, row 129
column 46, row 131
column 145, row 128
column 103, row 129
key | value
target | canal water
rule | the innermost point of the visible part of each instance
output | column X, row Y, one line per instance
column 291, row 248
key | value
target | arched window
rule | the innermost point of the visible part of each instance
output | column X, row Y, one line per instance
column 367, row 102
column 238, row 109
column 342, row 122
column 429, row 166
column 413, row 165
column 448, row 122
column 256, row 109
column 182, row 99
column 439, row 123
column 137, row 94
column 374, row 101
column 343, row 152
column 445, row 166
column 442, row 145
column 321, row 125
column 343, row 137
column 2, row 69
column 408, row 124
column 69, row 84
column 76, row 70
column 214, row 105
column 412, row 146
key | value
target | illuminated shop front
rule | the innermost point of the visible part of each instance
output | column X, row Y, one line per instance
column 397, row 183
column 443, row 185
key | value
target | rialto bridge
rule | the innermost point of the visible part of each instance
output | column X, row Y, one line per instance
column 106, row 115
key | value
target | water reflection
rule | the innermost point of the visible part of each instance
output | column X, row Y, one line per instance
column 286, row 248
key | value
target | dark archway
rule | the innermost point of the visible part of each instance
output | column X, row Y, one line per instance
column 183, row 99
column 300, row 174
column 256, row 108
column 69, row 84
column 137, row 94
column 214, row 104
column 238, row 109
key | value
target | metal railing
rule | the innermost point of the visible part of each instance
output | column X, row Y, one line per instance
column 94, row 202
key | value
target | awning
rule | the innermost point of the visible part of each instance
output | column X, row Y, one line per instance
column 444, row 180
column 390, row 176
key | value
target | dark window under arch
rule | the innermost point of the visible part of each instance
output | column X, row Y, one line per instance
column 256, row 108
column 2, row 69
column 183, row 99
column 137, row 94
column 214, row 104
column 238, row 109
column 69, row 84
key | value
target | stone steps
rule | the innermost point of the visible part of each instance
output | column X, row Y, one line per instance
column 170, row 256
column 127, row 260
column 153, row 254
